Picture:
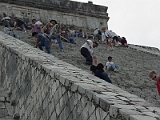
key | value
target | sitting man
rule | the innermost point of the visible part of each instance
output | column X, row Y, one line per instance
column 110, row 65
column 36, row 26
column 55, row 33
column 41, row 40
column 97, row 35
column 154, row 76
column 6, row 20
column 87, row 50
column 67, row 37
column 8, row 31
column 107, row 37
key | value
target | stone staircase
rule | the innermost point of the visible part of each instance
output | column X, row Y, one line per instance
column 6, row 110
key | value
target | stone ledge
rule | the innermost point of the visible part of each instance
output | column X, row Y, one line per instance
column 65, row 6
column 110, row 98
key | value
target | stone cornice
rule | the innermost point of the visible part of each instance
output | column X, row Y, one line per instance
column 88, row 9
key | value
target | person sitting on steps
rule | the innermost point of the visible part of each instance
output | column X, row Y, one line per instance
column 110, row 65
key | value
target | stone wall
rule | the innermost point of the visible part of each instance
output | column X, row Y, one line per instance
column 84, row 15
column 46, row 88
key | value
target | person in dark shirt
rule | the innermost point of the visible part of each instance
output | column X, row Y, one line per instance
column 98, row 71
column 20, row 25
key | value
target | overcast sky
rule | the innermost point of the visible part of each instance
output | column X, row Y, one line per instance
column 137, row 20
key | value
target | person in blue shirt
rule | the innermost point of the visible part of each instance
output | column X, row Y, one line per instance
column 42, row 40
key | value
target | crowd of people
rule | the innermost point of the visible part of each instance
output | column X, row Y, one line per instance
column 52, row 32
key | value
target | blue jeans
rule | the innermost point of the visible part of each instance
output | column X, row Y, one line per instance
column 45, row 43
column 58, row 40
column 71, row 40
column 102, row 75
column 73, row 34
column 113, row 66
column 86, row 54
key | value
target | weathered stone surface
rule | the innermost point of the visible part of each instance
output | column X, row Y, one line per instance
column 43, row 92
column 82, row 15
column 141, row 117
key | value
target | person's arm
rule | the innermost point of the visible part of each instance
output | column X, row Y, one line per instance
column 43, row 29
column 37, row 41
column 31, row 24
column 15, row 24
column 63, row 38
column 106, row 66
column 158, row 87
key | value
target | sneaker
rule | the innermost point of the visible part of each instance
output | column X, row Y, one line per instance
column 116, row 45
column 55, row 41
column 112, row 48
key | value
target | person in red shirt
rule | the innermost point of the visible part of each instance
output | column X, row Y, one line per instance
column 154, row 76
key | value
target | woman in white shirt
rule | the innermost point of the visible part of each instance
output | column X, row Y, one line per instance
column 87, row 50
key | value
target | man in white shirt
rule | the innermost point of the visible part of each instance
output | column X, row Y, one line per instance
column 97, row 34
column 87, row 50
column 110, row 65
column 106, row 36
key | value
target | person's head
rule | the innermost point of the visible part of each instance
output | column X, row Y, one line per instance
column 100, row 66
column 103, row 29
column 34, row 34
column 154, row 76
column 109, row 58
column 6, row 26
column 34, row 21
column 49, row 25
column 95, row 44
column 71, row 27
column 53, row 22
column 95, row 60
column 4, row 15
column 80, row 31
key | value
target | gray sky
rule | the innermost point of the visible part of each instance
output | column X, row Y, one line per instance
column 137, row 20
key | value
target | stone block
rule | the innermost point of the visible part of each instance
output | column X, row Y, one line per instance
column 74, row 87
column 2, row 99
column 141, row 117
column 125, row 113
column 81, row 90
column 2, row 105
column 53, row 116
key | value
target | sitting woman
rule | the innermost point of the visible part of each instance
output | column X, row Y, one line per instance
column 46, row 29
column 67, row 37
column 98, row 71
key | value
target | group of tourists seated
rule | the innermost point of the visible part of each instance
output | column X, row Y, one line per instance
column 45, row 34
column 109, row 38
